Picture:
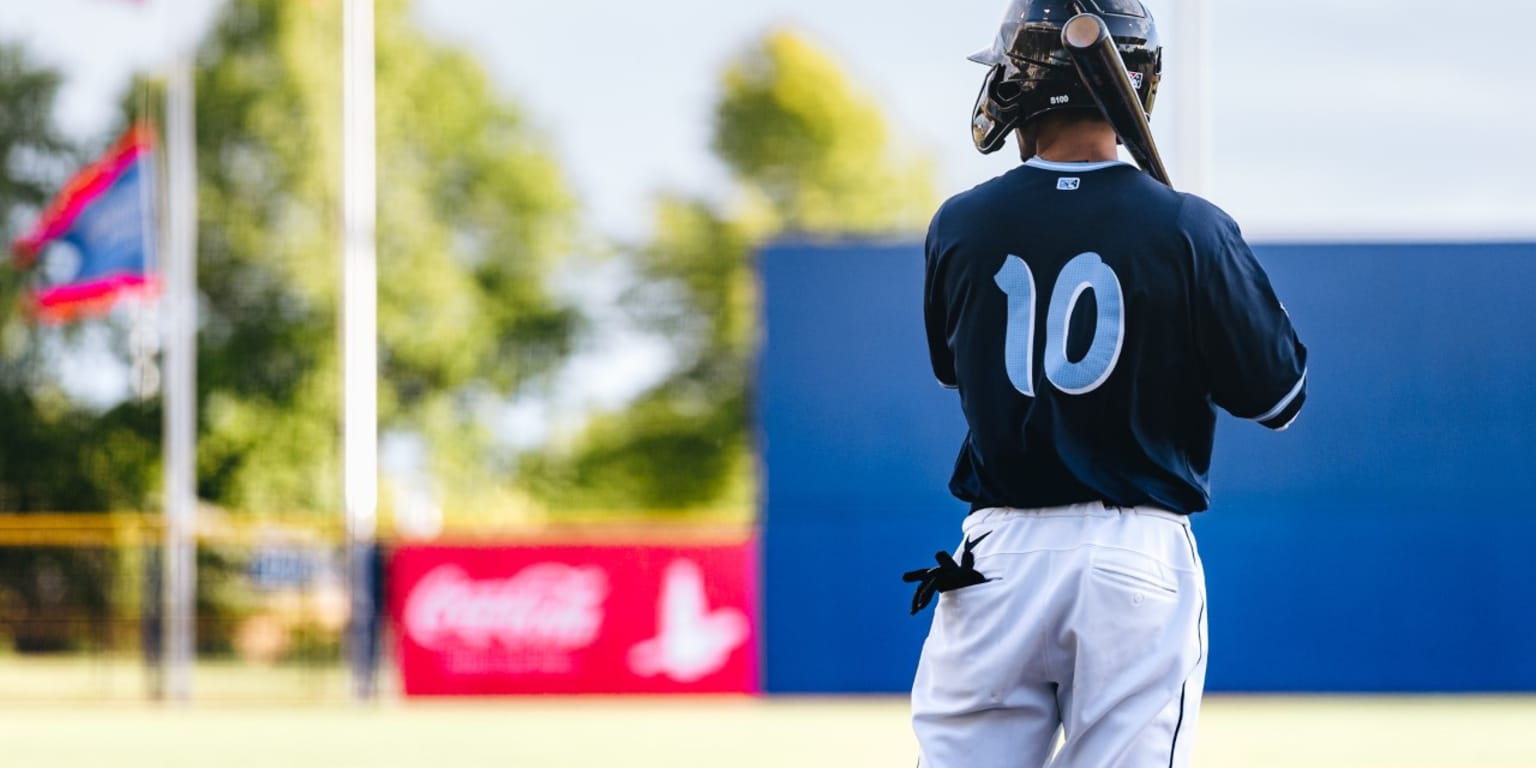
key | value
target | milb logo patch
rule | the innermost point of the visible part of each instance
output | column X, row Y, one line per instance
column 1135, row 80
column 1068, row 183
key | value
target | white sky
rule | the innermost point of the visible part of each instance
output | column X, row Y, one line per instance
column 1359, row 119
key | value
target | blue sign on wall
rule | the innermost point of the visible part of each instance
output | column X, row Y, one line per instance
column 1382, row 544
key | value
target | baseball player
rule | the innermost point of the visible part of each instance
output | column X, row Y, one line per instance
column 1091, row 319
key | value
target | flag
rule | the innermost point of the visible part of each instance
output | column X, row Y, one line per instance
column 105, row 214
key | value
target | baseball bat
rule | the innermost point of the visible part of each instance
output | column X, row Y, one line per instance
column 1087, row 40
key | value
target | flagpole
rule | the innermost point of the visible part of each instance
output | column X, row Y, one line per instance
column 360, row 338
column 180, row 395
column 144, row 337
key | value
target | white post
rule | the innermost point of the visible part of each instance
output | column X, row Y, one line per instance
column 145, row 338
column 359, row 333
column 1192, row 39
column 180, row 398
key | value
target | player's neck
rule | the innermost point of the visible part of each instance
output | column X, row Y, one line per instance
column 1078, row 143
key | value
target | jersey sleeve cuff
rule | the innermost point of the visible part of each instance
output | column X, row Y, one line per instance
column 1284, row 412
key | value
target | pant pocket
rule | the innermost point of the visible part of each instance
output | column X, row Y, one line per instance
column 1133, row 570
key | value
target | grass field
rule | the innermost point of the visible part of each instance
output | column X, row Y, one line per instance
column 736, row 732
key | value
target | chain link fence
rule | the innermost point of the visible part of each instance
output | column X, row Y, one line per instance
column 81, row 608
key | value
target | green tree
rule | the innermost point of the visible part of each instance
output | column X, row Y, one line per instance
column 57, row 454
column 811, row 154
column 31, row 145
column 472, row 216
column 793, row 129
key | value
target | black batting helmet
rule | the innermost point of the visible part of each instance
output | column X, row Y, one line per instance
column 1031, row 73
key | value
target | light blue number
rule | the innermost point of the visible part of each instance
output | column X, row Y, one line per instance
column 1085, row 272
column 1018, row 344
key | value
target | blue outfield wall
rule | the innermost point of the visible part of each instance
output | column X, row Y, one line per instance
column 1384, row 543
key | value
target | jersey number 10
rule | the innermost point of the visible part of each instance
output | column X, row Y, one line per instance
column 1086, row 271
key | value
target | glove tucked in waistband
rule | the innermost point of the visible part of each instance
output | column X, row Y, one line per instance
column 947, row 575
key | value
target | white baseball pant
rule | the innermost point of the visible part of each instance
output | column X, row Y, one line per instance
column 1085, row 649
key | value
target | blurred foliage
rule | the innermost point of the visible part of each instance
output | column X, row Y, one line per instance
column 31, row 146
column 811, row 155
column 56, row 454
column 794, row 129
column 473, row 214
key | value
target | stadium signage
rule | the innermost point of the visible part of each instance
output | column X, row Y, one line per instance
column 610, row 618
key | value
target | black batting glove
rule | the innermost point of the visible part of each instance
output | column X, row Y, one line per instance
column 947, row 575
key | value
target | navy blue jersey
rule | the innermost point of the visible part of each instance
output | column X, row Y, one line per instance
column 1092, row 319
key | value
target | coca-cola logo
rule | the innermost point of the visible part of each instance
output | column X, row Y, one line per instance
column 551, row 606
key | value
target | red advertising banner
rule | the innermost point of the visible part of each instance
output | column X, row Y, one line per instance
column 579, row 618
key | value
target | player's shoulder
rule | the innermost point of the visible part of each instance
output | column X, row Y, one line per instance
column 1197, row 211
column 1198, row 217
column 978, row 201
